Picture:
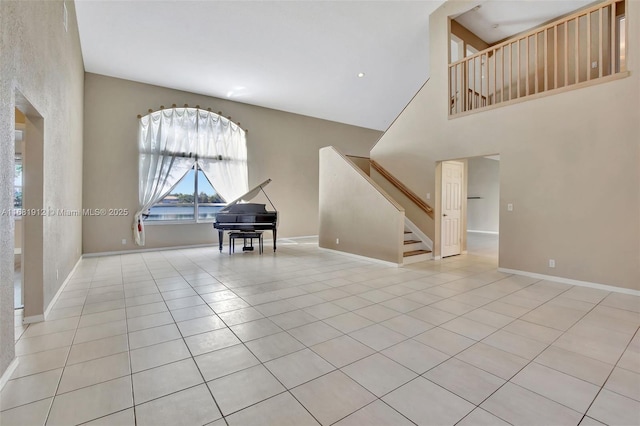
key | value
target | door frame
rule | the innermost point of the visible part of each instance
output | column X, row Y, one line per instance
column 18, row 222
column 33, row 226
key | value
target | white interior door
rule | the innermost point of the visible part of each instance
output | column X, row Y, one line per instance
column 451, row 208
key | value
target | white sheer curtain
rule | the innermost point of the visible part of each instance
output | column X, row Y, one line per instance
column 171, row 140
column 222, row 155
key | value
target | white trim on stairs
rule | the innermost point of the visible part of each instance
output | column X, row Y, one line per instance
column 418, row 233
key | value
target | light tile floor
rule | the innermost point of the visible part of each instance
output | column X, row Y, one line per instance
column 307, row 336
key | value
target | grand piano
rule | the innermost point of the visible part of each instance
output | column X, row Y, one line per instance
column 247, row 217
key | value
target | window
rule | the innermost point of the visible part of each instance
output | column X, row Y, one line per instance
column 621, row 45
column 181, row 205
column 17, row 184
column 182, row 152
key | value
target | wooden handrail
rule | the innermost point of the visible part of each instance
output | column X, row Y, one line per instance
column 534, row 31
column 402, row 188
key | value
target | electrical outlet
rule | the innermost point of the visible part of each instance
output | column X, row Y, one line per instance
column 594, row 64
column 510, row 207
column 124, row 241
column 337, row 240
column 552, row 263
column 57, row 275
column 428, row 195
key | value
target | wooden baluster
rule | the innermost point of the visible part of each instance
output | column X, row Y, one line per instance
column 495, row 76
column 527, row 57
column 518, row 69
column 577, row 47
column 613, row 38
column 546, row 62
column 555, row 57
column 566, row 53
column 600, row 65
column 588, row 46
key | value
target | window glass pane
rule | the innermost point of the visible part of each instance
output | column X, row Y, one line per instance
column 17, row 197
column 209, row 202
column 17, row 185
column 17, row 180
column 179, row 204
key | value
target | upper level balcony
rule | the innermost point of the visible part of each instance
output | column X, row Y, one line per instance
column 583, row 48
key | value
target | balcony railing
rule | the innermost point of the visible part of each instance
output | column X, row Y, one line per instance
column 587, row 45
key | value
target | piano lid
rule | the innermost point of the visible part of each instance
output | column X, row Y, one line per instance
column 250, row 194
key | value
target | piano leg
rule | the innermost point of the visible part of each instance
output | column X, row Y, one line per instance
column 274, row 240
column 220, row 237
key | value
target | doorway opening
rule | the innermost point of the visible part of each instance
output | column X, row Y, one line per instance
column 469, row 206
column 483, row 205
column 18, row 183
column 31, row 226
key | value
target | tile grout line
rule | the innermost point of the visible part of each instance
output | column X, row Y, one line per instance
column 609, row 376
column 533, row 360
column 204, row 381
column 55, row 394
column 348, row 334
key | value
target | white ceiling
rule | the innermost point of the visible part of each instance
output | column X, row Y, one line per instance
column 299, row 56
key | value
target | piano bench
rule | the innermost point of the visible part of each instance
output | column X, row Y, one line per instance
column 245, row 235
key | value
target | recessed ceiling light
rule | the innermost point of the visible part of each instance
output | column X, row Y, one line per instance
column 360, row 74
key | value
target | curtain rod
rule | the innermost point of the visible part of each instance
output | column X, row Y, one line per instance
column 196, row 107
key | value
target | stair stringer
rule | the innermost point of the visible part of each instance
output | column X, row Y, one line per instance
column 418, row 233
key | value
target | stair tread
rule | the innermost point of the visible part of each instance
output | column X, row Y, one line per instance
column 412, row 241
column 416, row 252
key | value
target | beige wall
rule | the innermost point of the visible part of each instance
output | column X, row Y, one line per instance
column 467, row 37
column 42, row 71
column 356, row 211
column 483, row 180
column 362, row 162
column 281, row 146
column 411, row 211
column 569, row 164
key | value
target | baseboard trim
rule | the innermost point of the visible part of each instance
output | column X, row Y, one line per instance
column 297, row 238
column 120, row 252
column 483, row 232
column 579, row 283
column 8, row 372
column 33, row 319
column 360, row 257
column 214, row 245
column 55, row 297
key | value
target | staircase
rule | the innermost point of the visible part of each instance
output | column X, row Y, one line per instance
column 414, row 249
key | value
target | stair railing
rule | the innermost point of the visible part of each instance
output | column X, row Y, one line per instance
column 587, row 45
column 403, row 188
